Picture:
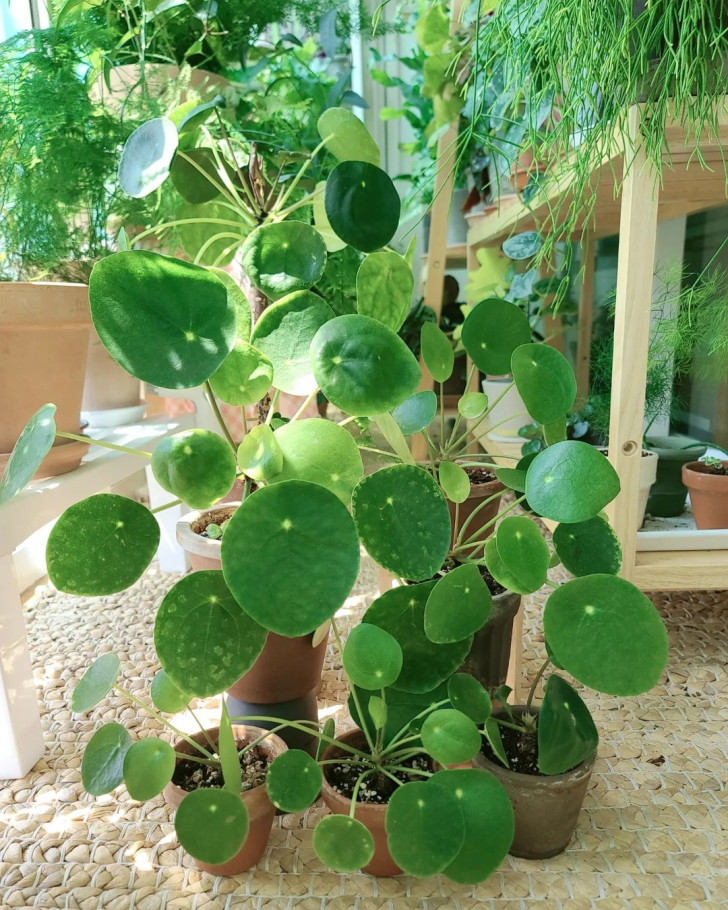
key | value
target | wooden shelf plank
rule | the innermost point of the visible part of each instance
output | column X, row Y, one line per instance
column 681, row 570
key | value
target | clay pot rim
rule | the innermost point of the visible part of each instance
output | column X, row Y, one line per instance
column 582, row 770
column 272, row 746
column 43, row 284
column 190, row 540
column 696, row 474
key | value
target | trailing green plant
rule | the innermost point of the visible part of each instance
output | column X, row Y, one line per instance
column 291, row 551
column 594, row 62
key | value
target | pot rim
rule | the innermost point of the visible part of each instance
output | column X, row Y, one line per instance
column 194, row 542
column 695, row 476
column 583, row 769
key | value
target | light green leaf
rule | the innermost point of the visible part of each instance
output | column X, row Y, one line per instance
column 545, row 381
column 473, row 405
column 416, row 413
column 244, row 377
column 148, row 767
column 343, row 843
column 454, row 481
column 346, row 136
column 212, row 825
column 437, row 352
column 96, row 682
column 293, row 781
column 33, row 444
column 491, row 333
column 384, row 285
column 372, row 657
column 102, row 766
column 259, row 455
column 197, row 466
column 450, row 736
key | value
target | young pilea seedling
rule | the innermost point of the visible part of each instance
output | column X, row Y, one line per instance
column 290, row 553
column 715, row 464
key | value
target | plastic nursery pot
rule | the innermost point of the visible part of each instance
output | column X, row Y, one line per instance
column 648, row 473
column 288, row 668
column 546, row 807
column 261, row 811
column 370, row 815
column 299, row 709
column 478, row 492
column 708, row 495
column 490, row 653
column 668, row 494
column 44, row 337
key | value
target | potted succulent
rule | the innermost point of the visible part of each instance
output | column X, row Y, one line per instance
column 708, row 488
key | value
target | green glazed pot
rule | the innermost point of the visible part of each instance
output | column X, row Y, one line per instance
column 668, row 492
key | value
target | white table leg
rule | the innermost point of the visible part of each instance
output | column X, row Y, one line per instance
column 21, row 736
column 172, row 558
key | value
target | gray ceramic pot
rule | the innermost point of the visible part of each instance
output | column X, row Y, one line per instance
column 491, row 649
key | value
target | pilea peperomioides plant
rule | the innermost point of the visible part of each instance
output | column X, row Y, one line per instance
column 291, row 551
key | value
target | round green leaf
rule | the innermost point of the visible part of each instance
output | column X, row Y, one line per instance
column 450, row 736
column 166, row 696
column 454, row 481
column 567, row 735
column 384, row 285
column 322, row 452
column 293, row 781
column 425, row 828
column 372, row 657
column 437, row 352
column 403, row 520
column 96, row 682
column 203, row 639
column 259, row 454
column 401, row 612
column 165, row 321
column 148, row 767
column 545, row 381
column 492, row 332
column 473, row 405
column 33, row 444
column 514, row 478
column 238, row 300
column 571, row 482
column 212, row 825
column 522, row 246
column 468, row 695
column 284, row 257
column 197, row 466
column 342, row 843
column 588, row 547
column 362, row 205
column 416, row 413
column 147, row 157
column 290, row 556
column 101, row 545
column 489, row 823
column 203, row 238
column 363, row 367
column 102, row 766
column 459, row 605
column 284, row 333
column 189, row 181
column 346, row 137
column 523, row 552
column 321, row 222
column 607, row 634
column 245, row 376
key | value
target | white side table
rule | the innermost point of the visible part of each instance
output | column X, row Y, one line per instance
column 21, row 738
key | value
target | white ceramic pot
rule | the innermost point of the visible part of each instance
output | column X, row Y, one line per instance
column 509, row 415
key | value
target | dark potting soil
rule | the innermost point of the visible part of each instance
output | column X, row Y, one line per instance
column 480, row 475
column 377, row 788
column 521, row 751
column 493, row 586
column 191, row 775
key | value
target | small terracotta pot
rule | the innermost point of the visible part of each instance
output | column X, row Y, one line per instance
column 288, row 668
column 490, row 652
column 261, row 811
column 369, row 815
column 546, row 807
column 478, row 492
column 708, row 495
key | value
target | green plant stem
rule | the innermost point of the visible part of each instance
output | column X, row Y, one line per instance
column 406, row 770
column 309, row 398
column 196, row 758
column 278, row 208
column 380, row 452
column 458, row 419
column 218, row 415
column 307, row 200
column 163, row 720
column 535, row 683
column 167, row 505
column 104, row 445
column 272, row 406
column 246, row 489
column 354, row 694
column 204, row 732
column 396, row 739
column 343, row 423
column 304, row 728
column 471, row 544
column 474, row 514
column 245, row 420
column 248, row 192
column 160, row 228
column 355, row 791
column 510, row 726
column 442, row 416
column 464, row 438
column 551, row 584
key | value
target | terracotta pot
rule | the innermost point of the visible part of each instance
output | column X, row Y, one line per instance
column 260, row 809
column 478, row 492
column 108, row 386
column 369, row 815
column 648, row 473
column 490, row 653
column 288, row 668
column 668, row 493
column 44, row 337
column 546, row 807
column 708, row 495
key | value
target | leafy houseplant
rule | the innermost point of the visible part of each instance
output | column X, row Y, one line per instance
column 708, row 487
column 290, row 553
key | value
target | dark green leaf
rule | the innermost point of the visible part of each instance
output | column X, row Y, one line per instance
column 284, row 257
column 416, row 413
column 425, row 828
column 566, row 732
column 545, row 381
column 523, row 553
column 212, row 825
column 362, row 205
column 459, row 605
column 492, row 332
column 513, row 478
column 492, row 734
column 468, row 695
column 194, row 175
column 437, row 352
column 588, row 547
column 197, row 466
column 102, row 767
column 372, row 657
column 293, row 781
column 401, row 709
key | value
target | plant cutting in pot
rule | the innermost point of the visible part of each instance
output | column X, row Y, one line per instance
column 707, row 483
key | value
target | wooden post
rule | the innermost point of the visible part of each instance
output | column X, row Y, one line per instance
column 586, row 314
column 638, row 231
